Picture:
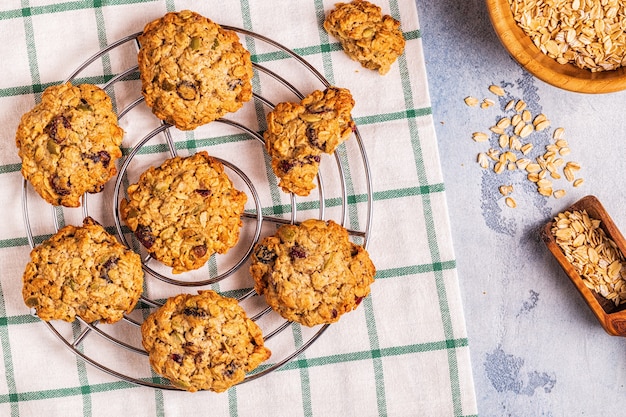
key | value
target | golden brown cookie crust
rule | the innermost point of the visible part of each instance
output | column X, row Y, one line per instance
column 192, row 70
column 298, row 133
column 69, row 143
column 184, row 211
column 366, row 35
column 203, row 342
column 311, row 273
column 82, row 271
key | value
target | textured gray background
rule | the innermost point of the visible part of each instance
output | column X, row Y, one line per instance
column 537, row 350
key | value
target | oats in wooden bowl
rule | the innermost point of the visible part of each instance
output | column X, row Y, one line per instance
column 576, row 45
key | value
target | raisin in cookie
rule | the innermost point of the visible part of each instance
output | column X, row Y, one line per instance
column 365, row 34
column 69, row 143
column 298, row 133
column 192, row 70
column 203, row 342
column 311, row 273
column 82, row 271
column 184, row 211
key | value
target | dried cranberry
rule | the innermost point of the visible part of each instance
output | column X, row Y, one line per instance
column 358, row 300
column 52, row 128
column 296, row 252
column 286, row 166
column 311, row 134
column 334, row 313
column 315, row 108
column 59, row 187
column 233, row 84
column 101, row 156
column 230, row 370
column 194, row 312
column 199, row 250
column 264, row 255
column 203, row 192
column 314, row 158
column 106, row 267
column 144, row 234
column 177, row 358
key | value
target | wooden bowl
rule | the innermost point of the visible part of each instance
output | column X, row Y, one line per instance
column 565, row 76
column 611, row 317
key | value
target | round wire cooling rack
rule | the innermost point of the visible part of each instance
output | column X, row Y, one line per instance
column 343, row 194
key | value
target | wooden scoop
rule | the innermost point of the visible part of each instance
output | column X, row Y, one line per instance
column 611, row 317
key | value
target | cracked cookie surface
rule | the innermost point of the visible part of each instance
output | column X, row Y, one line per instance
column 69, row 143
column 311, row 273
column 192, row 70
column 366, row 35
column 203, row 342
column 184, row 211
column 82, row 271
column 299, row 133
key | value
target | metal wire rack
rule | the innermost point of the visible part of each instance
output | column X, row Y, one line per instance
column 343, row 194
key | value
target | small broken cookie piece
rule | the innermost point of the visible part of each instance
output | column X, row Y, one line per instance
column 312, row 273
column 184, row 211
column 203, row 342
column 366, row 35
column 192, row 70
column 82, row 271
column 299, row 133
column 69, row 143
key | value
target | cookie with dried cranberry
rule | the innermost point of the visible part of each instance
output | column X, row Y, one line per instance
column 203, row 342
column 192, row 70
column 299, row 133
column 312, row 273
column 184, row 211
column 69, row 143
column 366, row 35
column 82, row 271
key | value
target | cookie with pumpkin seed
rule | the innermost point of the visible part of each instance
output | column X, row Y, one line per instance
column 82, row 271
column 298, row 134
column 203, row 342
column 184, row 211
column 366, row 35
column 312, row 273
column 192, row 70
column 69, row 143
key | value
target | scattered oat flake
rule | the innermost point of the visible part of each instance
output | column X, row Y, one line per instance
column 542, row 125
column 510, row 202
column 483, row 160
column 471, row 101
column 480, row 137
column 526, row 131
column 505, row 189
column 487, row 103
column 558, row 133
column 497, row 90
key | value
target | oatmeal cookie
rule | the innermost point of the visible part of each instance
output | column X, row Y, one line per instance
column 365, row 34
column 82, row 271
column 298, row 133
column 192, row 70
column 184, row 211
column 69, row 143
column 312, row 273
column 203, row 342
